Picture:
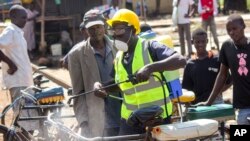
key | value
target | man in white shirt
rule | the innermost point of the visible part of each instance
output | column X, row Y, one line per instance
column 113, row 8
column 185, row 10
column 14, row 46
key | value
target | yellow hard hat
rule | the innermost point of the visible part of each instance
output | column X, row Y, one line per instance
column 125, row 15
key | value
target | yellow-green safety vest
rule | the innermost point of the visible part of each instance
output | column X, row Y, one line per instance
column 143, row 94
column 172, row 77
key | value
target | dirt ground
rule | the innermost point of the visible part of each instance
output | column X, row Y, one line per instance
column 4, row 96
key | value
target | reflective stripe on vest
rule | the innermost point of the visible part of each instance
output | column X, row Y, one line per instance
column 152, row 84
column 139, row 95
column 135, row 107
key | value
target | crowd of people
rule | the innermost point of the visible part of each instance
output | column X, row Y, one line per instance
column 120, row 56
column 128, row 45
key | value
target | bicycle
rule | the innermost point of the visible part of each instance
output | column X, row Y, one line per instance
column 153, row 133
column 15, row 132
column 141, row 117
column 43, row 110
column 38, row 80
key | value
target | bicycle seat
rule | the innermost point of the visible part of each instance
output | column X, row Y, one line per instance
column 148, row 116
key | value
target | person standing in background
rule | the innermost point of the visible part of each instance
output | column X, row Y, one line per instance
column 208, row 9
column 235, row 56
column 129, row 5
column 113, row 7
column 231, row 6
column 185, row 10
column 201, row 71
column 29, row 28
column 64, row 60
column 14, row 46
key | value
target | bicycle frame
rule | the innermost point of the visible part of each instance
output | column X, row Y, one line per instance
column 67, row 130
column 43, row 111
column 148, row 136
column 15, row 131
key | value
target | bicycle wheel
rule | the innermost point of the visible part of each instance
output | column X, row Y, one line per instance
column 3, row 132
column 8, row 117
column 6, row 135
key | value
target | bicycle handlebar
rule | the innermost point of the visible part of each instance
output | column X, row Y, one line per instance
column 24, row 95
column 40, row 68
column 29, row 96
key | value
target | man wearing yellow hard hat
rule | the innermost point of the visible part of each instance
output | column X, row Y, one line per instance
column 142, row 61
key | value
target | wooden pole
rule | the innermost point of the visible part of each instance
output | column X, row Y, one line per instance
column 52, row 77
column 42, row 47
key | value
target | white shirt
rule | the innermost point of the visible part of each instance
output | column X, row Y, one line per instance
column 113, row 10
column 182, row 10
column 28, row 29
column 215, row 7
column 14, row 46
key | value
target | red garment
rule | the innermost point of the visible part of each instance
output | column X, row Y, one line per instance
column 208, row 5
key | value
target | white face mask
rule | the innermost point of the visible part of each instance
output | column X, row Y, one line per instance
column 120, row 45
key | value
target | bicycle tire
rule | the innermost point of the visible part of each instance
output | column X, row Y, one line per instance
column 7, row 119
column 9, row 114
column 5, row 134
